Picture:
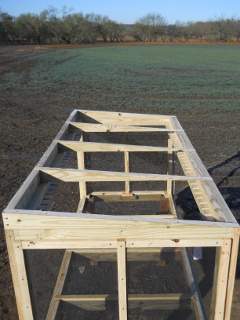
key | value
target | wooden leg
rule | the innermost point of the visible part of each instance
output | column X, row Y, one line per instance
column 122, row 281
column 231, row 277
column 19, row 276
column 220, row 281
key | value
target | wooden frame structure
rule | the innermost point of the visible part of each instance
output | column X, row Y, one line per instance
column 29, row 224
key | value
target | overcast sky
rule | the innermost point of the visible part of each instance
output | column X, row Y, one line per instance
column 128, row 11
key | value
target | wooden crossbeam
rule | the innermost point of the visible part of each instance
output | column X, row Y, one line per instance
column 92, row 127
column 111, row 147
column 144, row 301
column 75, row 175
column 133, row 254
column 101, row 227
column 76, row 244
column 106, row 117
column 139, row 193
column 110, row 196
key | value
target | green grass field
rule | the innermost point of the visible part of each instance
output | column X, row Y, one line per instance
column 41, row 85
column 161, row 78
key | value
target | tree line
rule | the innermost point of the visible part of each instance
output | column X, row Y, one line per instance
column 75, row 28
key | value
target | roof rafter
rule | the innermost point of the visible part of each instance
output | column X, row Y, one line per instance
column 112, row 147
column 76, row 175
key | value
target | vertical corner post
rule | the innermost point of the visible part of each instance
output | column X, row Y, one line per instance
column 19, row 276
column 220, row 280
column 122, row 279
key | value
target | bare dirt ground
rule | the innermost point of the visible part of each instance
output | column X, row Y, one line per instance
column 28, row 125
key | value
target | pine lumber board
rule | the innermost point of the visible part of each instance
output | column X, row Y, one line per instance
column 107, row 228
column 232, row 273
column 122, row 279
column 23, row 219
column 202, row 198
column 20, row 218
column 23, row 196
column 111, row 235
column 132, row 254
column 76, row 175
column 19, row 276
column 90, row 302
column 38, row 196
column 68, row 244
column 173, row 207
column 170, row 167
column 51, row 152
column 205, row 205
column 176, row 243
column 81, row 166
column 115, row 196
column 143, row 301
column 132, row 196
column 156, row 216
column 127, row 169
column 81, row 204
column 92, row 127
column 215, row 204
column 52, row 310
column 130, row 251
column 106, row 117
column 139, row 193
column 220, row 281
column 90, row 244
column 130, row 232
column 29, row 186
column 114, row 147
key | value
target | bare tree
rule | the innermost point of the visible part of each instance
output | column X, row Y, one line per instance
column 223, row 29
column 150, row 27
column 173, row 32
